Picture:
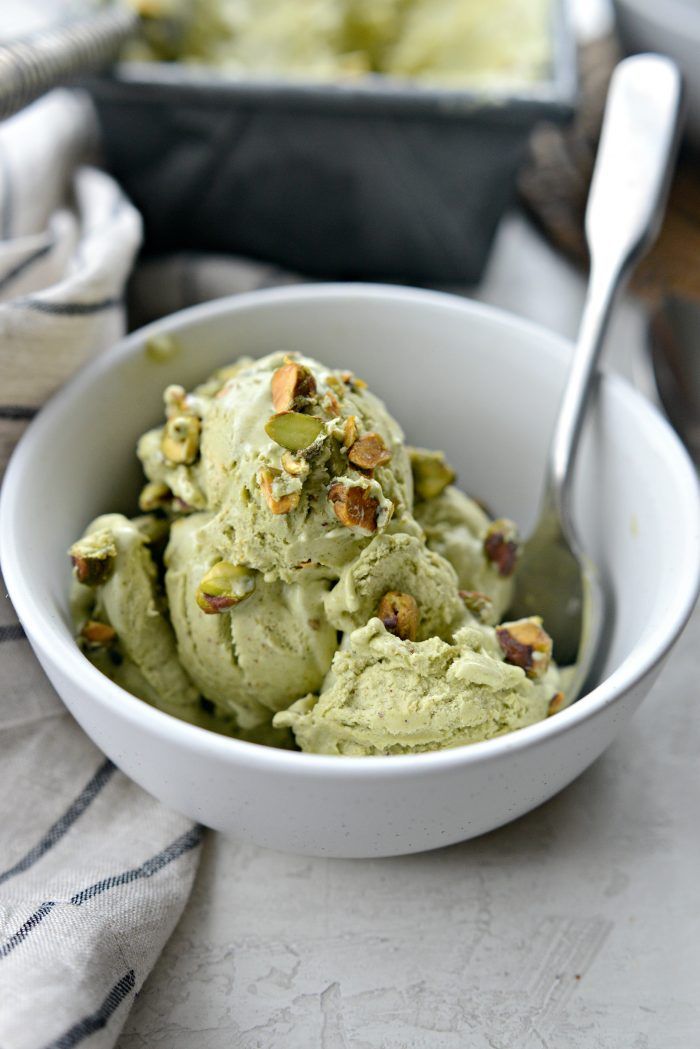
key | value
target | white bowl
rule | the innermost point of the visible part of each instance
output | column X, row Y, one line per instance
column 478, row 383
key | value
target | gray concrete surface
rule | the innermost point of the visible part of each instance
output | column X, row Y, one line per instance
column 577, row 926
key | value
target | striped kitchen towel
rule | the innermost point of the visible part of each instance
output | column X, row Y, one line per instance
column 94, row 873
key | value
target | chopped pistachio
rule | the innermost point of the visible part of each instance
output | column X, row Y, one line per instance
column 175, row 400
column 354, row 506
column 161, row 347
column 352, row 381
column 399, row 614
column 525, row 644
column 293, row 431
column 224, row 586
column 154, row 496
column 294, row 465
column 93, row 557
column 292, row 386
column 98, row 635
column 431, row 473
column 556, row 703
column 369, row 451
column 350, row 431
column 330, row 403
column 180, row 441
column 501, row 546
column 282, row 505
column 480, row 605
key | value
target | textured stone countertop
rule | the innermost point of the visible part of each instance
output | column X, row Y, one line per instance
column 577, row 926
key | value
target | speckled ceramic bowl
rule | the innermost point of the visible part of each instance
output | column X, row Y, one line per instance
column 480, row 384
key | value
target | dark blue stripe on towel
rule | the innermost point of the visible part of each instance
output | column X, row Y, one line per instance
column 11, row 632
column 63, row 825
column 99, row 1019
column 67, row 309
column 24, row 930
column 24, row 265
column 189, row 840
column 17, row 411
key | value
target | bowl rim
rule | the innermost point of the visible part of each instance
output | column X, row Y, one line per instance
column 61, row 652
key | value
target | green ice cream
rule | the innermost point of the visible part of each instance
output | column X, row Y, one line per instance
column 285, row 577
column 455, row 526
column 274, row 647
column 486, row 43
column 145, row 652
column 397, row 563
column 238, row 460
column 386, row 696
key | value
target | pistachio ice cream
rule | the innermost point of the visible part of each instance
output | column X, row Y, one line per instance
column 299, row 576
column 452, row 43
column 388, row 696
column 457, row 528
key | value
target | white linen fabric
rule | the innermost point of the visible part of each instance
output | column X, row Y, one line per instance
column 94, row 873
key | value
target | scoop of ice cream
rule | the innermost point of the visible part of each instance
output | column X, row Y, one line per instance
column 456, row 527
column 181, row 473
column 257, row 656
column 400, row 563
column 306, row 471
column 128, row 600
column 285, row 493
column 387, row 696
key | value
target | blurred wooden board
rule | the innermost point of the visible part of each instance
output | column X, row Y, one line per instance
column 554, row 186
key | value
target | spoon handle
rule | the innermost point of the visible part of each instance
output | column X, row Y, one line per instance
column 625, row 207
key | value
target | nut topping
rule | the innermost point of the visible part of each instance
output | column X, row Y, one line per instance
column 431, row 474
column 154, row 496
column 350, row 431
column 293, row 431
column 295, row 466
column 180, row 441
column 399, row 614
column 368, row 452
column 175, row 399
column 292, row 386
column 501, row 546
column 224, row 586
column 330, row 403
column 354, row 506
column 480, row 605
column 556, row 703
column 98, row 635
column 352, row 381
column 93, row 558
column 161, row 347
column 525, row 644
column 285, row 503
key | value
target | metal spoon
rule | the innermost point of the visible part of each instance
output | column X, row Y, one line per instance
column 556, row 578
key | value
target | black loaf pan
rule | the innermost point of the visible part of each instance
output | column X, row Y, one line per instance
column 375, row 179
